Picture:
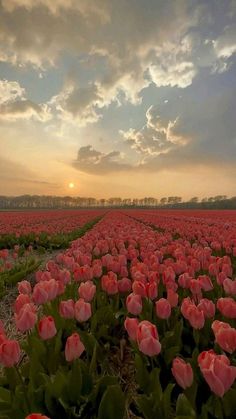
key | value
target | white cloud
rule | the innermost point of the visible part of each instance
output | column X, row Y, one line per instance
column 157, row 136
column 225, row 45
column 10, row 91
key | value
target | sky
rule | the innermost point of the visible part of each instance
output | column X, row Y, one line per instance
column 126, row 98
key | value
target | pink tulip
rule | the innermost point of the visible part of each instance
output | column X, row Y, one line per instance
column 225, row 336
column 163, row 308
column 217, row 371
column 47, row 328
column 124, row 285
column 9, row 353
column 131, row 326
column 139, row 288
column 147, row 338
column 183, row 373
column 40, row 294
column 134, row 304
column 227, row 307
column 67, row 309
column 26, row 318
column 208, row 307
column 172, row 297
column 83, row 310
column 24, row 287
column 74, row 347
column 229, row 286
column 87, row 290
column 151, row 289
column 20, row 301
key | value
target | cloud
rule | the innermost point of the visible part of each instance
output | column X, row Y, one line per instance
column 10, row 91
column 14, row 105
column 24, row 109
column 130, row 37
column 159, row 135
column 225, row 45
column 95, row 162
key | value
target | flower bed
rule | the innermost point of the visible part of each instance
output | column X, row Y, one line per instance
column 129, row 321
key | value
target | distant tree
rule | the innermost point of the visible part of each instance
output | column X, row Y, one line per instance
column 194, row 200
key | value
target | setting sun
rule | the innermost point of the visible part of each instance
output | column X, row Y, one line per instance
column 71, row 185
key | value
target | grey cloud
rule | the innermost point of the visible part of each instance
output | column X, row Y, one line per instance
column 23, row 109
column 92, row 161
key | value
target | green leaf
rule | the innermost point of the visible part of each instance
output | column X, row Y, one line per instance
column 229, row 403
column 184, row 408
column 75, row 383
column 145, row 405
column 5, row 400
column 142, row 375
column 112, row 404
column 170, row 354
column 166, row 400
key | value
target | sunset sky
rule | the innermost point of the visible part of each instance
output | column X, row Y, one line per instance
column 127, row 98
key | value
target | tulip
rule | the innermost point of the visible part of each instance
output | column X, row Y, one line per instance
column 26, row 318
column 87, row 290
column 172, row 297
column 47, row 328
column 24, row 287
column 227, row 307
column 208, row 307
column 9, row 353
column 134, row 304
column 139, row 288
column 163, row 308
column 151, row 289
column 83, row 310
column 217, row 371
column 74, row 347
column 124, row 285
column 183, row 373
column 40, row 294
column 147, row 338
column 131, row 326
column 20, row 301
column 229, row 286
column 225, row 336
column 66, row 309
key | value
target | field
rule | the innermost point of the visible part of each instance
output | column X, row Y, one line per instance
column 118, row 314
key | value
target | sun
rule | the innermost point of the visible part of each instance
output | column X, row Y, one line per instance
column 71, row 185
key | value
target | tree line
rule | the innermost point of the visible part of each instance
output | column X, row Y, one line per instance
column 55, row 202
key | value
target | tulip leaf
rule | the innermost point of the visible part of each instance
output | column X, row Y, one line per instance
column 142, row 376
column 112, row 404
column 75, row 382
column 166, row 400
column 145, row 406
column 184, row 408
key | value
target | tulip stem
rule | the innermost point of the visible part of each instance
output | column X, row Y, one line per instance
column 24, row 388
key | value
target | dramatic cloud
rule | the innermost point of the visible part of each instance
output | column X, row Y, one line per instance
column 154, row 79
column 92, row 161
column 14, row 105
column 157, row 136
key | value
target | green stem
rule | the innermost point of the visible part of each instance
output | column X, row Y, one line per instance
column 24, row 388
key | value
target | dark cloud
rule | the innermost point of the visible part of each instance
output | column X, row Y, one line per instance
column 92, row 161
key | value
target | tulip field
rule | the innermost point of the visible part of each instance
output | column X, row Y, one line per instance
column 134, row 316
